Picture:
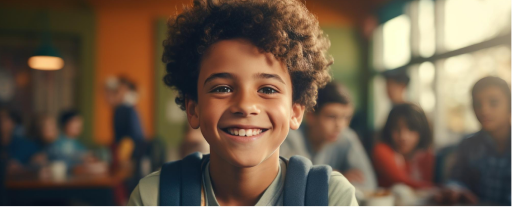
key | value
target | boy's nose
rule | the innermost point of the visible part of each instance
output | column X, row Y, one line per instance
column 244, row 105
column 340, row 122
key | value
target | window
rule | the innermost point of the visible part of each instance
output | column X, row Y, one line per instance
column 446, row 47
column 396, row 50
column 471, row 21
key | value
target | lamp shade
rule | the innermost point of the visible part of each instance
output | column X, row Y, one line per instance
column 46, row 58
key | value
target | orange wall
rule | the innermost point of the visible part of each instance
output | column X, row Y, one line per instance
column 125, row 45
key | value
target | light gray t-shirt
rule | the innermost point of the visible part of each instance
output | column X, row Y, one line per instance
column 341, row 192
column 271, row 197
column 344, row 154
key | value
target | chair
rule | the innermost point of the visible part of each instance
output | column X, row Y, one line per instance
column 445, row 158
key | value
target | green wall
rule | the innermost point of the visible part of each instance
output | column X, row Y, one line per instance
column 169, row 119
column 345, row 50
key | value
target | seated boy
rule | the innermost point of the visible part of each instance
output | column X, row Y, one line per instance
column 396, row 85
column 16, row 148
column 67, row 148
column 246, row 71
column 481, row 172
column 327, row 139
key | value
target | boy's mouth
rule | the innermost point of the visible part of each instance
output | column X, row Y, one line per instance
column 243, row 132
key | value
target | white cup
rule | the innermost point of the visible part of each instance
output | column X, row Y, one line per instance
column 386, row 200
column 58, row 170
column 379, row 197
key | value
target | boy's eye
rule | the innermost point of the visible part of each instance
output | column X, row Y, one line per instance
column 332, row 117
column 222, row 89
column 494, row 102
column 267, row 90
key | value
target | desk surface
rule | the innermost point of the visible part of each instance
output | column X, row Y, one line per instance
column 106, row 180
column 73, row 182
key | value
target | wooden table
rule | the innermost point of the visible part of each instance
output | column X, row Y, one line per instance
column 76, row 190
column 72, row 182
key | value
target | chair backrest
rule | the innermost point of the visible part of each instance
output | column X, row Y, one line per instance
column 445, row 158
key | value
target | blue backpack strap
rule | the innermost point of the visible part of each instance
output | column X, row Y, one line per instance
column 180, row 182
column 191, row 180
column 170, row 184
column 295, row 181
column 317, row 188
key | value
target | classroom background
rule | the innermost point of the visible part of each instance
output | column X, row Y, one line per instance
column 107, row 52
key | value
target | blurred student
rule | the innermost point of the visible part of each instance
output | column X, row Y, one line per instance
column 128, row 135
column 18, row 150
column 122, row 96
column 404, row 154
column 3, row 168
column 67, row 148
column 45, row 132
column 481, row 173
column 327, row 139
column 128, row 146
column 396, row 85
column 397, row 81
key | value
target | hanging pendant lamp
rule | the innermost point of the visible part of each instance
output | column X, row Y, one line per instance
column 46, row 57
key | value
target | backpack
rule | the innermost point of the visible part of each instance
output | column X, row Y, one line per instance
column 304, row 185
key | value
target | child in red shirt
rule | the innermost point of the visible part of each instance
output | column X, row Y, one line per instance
column 404, row 154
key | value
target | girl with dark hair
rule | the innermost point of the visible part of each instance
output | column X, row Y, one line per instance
column 481, row 172
column 404, row 154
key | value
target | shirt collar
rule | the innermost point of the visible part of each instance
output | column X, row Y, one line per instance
column 489, row 142
column 270, row 197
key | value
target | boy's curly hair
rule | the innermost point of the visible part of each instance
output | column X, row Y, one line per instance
column 284, row 28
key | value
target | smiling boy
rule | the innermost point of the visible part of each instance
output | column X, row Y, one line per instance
column 246, row 72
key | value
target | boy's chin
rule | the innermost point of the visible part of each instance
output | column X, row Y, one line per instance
column 247, row 159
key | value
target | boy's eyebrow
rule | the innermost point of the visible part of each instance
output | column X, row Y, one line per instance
column 218, row 75
column 269, row 76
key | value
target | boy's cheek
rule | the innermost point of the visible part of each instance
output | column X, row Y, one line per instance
column 280, row 119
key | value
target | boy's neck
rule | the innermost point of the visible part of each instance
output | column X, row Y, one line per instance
column 241, row 186
column 69, row 136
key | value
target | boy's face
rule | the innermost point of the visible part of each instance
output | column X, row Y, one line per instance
column 242, row 91
column 330, row 121
column 492, row 109
column 49, row 130
column 6, row 127
column 395, row 91
column 74, row 127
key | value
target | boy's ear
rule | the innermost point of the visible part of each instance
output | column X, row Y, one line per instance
column 297, row 115
column 192, row 115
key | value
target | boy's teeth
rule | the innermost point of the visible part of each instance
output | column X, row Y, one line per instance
column 244, row 132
